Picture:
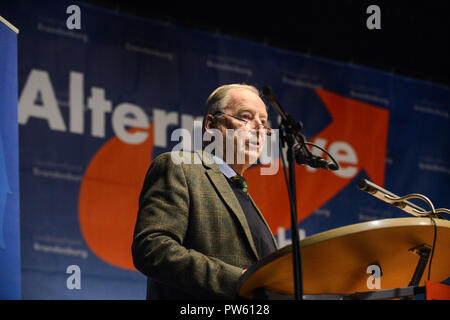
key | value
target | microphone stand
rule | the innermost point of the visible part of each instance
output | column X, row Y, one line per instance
column 287, row 138
column 297, row 152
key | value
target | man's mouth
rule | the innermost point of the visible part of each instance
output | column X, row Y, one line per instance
column 254, row 143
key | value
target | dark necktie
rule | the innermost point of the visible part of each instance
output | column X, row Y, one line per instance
column 240, row 182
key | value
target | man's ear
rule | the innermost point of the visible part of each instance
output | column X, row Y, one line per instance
column 210, row 122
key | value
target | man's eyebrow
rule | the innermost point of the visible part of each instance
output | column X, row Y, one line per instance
column 244, row 109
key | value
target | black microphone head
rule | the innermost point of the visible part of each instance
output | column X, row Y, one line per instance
column 333, row 166
column 362, row 184
column 268, row 93
column 324, row 164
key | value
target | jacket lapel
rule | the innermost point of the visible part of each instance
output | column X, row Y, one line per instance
column 226, row 193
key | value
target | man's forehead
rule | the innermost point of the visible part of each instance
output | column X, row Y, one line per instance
column 241, row 99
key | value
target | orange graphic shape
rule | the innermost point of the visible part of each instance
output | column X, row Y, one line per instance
column 109, row 195
column 362, row 125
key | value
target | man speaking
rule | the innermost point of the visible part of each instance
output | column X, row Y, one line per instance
column 197, row 228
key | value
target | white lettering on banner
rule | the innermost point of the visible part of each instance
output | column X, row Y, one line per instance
column 76, row 105
column 162, row 120
column 99, row 106
column 38, row 100
column 56, row 249
column 39, row 86
column 342, row 152
column 120, row 121
column 281, row 236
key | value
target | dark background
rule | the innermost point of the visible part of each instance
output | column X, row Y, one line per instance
column 413, row 40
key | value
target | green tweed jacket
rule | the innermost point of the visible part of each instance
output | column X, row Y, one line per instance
column 191, row 235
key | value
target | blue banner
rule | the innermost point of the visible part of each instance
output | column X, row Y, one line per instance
column 10, row 286
column 98, row 103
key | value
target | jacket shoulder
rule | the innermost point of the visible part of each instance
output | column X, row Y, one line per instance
column 178, row 157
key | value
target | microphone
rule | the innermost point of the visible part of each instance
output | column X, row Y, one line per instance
column 391, row 198
column 314, row 161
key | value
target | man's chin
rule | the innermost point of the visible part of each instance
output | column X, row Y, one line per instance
column 251, row 156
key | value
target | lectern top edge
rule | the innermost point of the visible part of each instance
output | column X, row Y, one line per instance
column 9, row 25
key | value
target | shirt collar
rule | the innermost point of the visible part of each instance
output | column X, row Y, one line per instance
column 224, row 167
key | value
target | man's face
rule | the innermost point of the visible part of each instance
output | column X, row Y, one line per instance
column 247, row 138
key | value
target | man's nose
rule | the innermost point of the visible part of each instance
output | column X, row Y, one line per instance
column 258, row 126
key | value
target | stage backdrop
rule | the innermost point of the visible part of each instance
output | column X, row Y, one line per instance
column 98, row 103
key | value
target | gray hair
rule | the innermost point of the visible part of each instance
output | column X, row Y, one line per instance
column 218, row 99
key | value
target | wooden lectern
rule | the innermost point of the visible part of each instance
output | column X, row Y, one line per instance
column 337, row 263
